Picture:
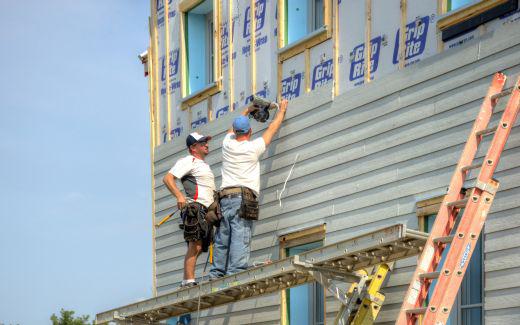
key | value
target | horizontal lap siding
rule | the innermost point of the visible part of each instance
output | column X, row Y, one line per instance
column 362, row 161
column 503, row 316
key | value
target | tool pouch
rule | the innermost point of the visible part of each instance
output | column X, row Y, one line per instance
column 194, row 223
column 214, row 214
column 249, row 208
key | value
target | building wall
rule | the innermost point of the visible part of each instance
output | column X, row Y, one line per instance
column 302, row 73
column 362, row 160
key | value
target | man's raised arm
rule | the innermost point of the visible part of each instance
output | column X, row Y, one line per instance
column 276, row 123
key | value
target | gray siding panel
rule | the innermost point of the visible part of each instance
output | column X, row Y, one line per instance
column 502, row 279
column 362, row 161
column 503, row 316
column 505, row 259
column 505, row 298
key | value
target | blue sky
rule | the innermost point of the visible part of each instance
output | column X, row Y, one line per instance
column 75, row 201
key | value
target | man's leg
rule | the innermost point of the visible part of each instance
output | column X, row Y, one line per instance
column 194, row 249
column 221, row 243
column 240, row 246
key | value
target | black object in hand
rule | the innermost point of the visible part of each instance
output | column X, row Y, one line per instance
column 262, row 106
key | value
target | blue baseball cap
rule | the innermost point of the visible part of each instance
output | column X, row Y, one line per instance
column 241, row 125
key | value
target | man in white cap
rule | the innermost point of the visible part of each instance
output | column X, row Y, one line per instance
column 199, row 184
column 239, row 192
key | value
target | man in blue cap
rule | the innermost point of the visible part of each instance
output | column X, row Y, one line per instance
column 239, row 192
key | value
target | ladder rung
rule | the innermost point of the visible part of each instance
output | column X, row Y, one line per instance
column 470, row 167
column 417, row 311
column 458, row 204
column 443, row 240
column 486, row 131
column 504, row 93
column 429, row 275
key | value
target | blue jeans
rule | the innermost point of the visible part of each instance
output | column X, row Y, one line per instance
column 232, row 244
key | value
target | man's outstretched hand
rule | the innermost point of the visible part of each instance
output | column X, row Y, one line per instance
column 283, row 105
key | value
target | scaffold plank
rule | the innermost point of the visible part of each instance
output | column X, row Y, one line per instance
column 384, row 245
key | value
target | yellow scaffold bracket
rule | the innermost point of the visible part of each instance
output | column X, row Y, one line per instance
column 369, row 300
column 373, row 299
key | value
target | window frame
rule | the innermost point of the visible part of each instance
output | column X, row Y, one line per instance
column 293, row 239
column 448, row 2
column 430, row 207
column 188, row 100
column 463, row 16
column 320, row 35
column 210, row 55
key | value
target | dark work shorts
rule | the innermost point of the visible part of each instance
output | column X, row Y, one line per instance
column 195, row 225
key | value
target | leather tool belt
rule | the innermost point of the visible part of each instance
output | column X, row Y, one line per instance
column 230, row 192
column 214, row 215
column 249, row 208
column 194, row 222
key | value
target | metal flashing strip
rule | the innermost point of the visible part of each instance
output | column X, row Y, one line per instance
column 307, row 226
column 384, row 245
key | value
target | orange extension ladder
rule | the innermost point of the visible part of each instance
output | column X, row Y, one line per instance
column 476, row 206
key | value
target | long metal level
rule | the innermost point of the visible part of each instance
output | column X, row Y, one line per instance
column 383, row 245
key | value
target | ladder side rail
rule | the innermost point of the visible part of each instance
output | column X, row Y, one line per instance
column 498, row 143
column 418, row 288
column 457, row 259
column 472, row 221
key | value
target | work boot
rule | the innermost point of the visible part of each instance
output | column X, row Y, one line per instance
column 188, row 284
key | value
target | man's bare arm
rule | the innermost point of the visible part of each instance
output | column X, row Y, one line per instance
column 276, row 123
column 169, row 181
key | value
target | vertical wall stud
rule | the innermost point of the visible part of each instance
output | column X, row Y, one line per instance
column 217, row 49
column 252, row 52
column 283, row 293
column 183, row 76
column 281, row 42
column 209, row 106
column 167, row 65
column 152, row 172
column 190, row 118
column 280, row 75
column 231, row 92
column 442, row 8
column 402, row 35
column 281, row 23
column 307, row 55
column 335, row 49
column 155, row 51
column 155, row 94
column 327, row 7
column 368, row 46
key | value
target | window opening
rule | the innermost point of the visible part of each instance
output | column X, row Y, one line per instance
column 456, row 4
column 305, row 302
column 199, row 44
column 303, row 18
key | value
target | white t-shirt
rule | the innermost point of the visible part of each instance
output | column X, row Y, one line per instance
column 240, row 162
column 197, row 179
